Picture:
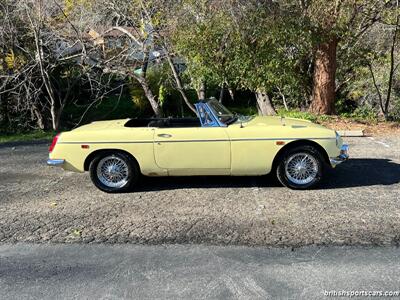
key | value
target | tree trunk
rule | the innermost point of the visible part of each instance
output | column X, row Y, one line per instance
column 221, row 93
column 264, row 104
column 323, row 95
column 179, row 84
column 201, row 93
column 283, row 99
column 38, row 116
column 150, row 96
column 46, row 80
column 231, row 93
column 60, row 111
column 54, row 118
column 392, row 67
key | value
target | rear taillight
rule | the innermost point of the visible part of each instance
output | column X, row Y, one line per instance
column 54, row 142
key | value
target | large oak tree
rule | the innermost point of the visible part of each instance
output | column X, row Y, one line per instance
column 334, row 22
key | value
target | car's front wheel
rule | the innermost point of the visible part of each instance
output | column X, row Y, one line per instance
column 300, row 168
column 114, row 172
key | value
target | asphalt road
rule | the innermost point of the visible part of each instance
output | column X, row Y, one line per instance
column 358, row 204
column 194, row 272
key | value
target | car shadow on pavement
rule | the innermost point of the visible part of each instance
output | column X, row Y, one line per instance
column 356, row 172
column 205, row 182
column 359, row 172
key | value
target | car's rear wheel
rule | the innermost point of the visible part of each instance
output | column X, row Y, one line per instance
column 300, row 168
column 114, row 172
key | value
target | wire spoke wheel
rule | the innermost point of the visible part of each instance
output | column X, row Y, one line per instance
column 301, row 168
column 113, row 172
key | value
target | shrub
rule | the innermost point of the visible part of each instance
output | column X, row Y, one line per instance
column 298, row 115
column 362, row 114
column 394, row 114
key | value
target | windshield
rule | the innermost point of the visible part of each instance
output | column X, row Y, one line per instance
column 221, row 112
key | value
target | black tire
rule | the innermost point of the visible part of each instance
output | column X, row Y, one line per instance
column 131, row 168
column 315, row 159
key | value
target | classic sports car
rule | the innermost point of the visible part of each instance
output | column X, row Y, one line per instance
column 218, row 142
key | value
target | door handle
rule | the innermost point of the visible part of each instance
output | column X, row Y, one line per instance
column 164, row 135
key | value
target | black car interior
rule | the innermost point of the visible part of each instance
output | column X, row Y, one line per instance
column 164, row 122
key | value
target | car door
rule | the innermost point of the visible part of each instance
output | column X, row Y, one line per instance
column 193, row 151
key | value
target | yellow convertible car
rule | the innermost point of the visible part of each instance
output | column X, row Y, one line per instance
column 218, row 142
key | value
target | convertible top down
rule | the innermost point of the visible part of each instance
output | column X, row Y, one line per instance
column 218, row 142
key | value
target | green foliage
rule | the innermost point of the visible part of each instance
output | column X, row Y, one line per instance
column 244, row 110
column 267, row 54
column 137, row 95
column 112, row 107
column 363, row 114
column 162, row 94
column 343, row 106
column 158, row 78
column 205, row 43
column 395, row 112
column 373, row 62
column 247, row 45
column 71, row 6
column 297, row 114
column 220, row 48
column 26, row 136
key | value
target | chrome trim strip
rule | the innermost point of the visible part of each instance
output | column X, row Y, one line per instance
column 191, row 141
column 242, row 140
column 282, row 139
column 196, row 141
column 122, row 142
column 55, row 162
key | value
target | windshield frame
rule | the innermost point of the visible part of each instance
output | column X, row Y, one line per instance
column 222, row 115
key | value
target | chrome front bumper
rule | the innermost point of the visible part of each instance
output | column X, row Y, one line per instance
column 344, row 155
column 55, row 162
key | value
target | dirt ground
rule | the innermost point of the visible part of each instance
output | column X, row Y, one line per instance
column 379, row 129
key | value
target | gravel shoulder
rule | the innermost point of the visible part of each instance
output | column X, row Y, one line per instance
column 358, row 204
